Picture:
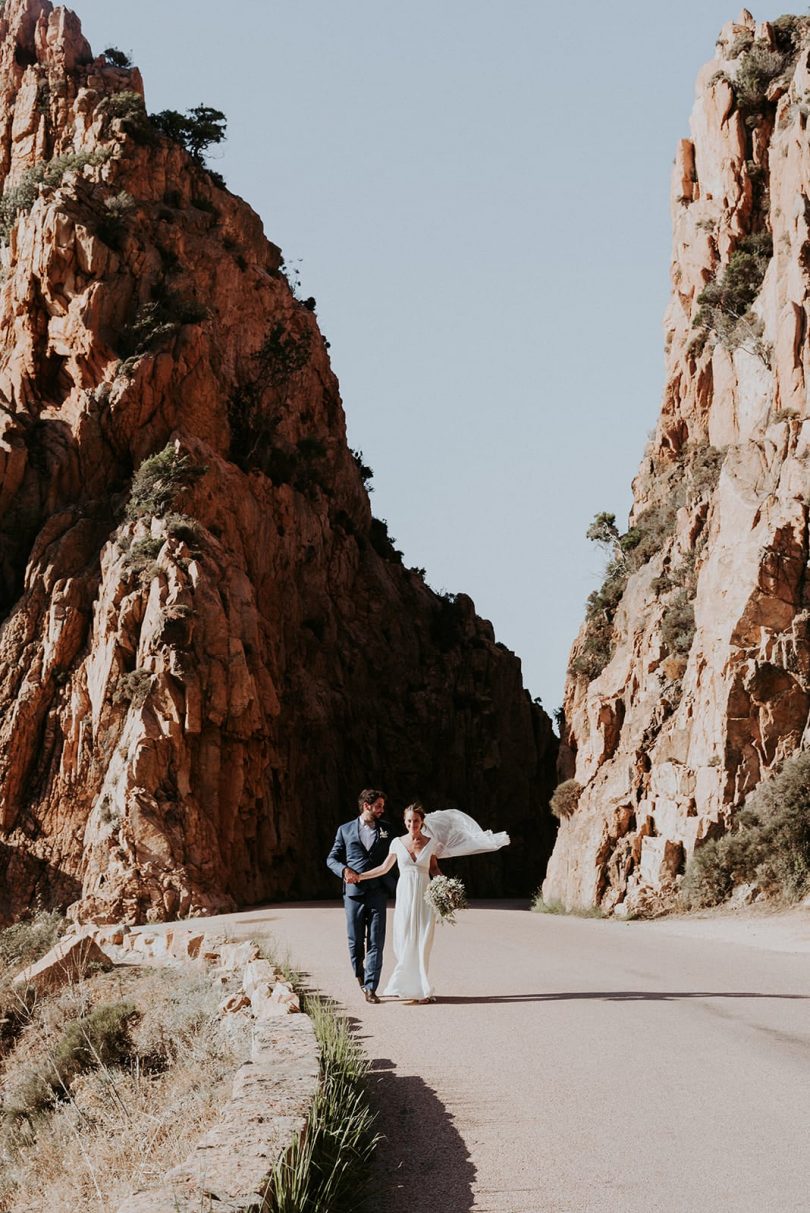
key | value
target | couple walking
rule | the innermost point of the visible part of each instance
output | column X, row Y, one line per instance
column 363, row 856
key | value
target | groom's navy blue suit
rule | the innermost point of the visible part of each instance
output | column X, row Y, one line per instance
column 365, row 903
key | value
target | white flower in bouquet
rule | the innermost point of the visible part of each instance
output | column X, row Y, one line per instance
column 445, row 895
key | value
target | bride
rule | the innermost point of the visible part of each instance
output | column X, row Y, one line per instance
column 449, row 833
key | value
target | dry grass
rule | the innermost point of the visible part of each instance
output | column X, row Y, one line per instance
column 113, row 1128
column 21, row 945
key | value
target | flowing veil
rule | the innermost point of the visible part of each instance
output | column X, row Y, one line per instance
column 456, row 834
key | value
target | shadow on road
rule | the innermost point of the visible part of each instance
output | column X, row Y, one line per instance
column 423, row 1164
column 620, row 996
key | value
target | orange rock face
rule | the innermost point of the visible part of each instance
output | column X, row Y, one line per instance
column 698, row 684
column 208, row 645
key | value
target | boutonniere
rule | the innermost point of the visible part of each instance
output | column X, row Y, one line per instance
column 383, row 833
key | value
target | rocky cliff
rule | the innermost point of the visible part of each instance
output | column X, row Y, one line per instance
column 690, row 678
column 208, row 644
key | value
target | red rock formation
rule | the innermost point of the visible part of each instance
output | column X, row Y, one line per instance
column 690, row 681
column 205, row 654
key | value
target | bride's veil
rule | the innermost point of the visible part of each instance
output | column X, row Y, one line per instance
column 456, row 833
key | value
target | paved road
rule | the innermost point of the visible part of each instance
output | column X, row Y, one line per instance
column 579, row 1066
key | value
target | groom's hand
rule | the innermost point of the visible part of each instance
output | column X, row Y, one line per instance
column 350, row 876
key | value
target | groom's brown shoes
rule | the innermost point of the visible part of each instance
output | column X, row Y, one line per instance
column 370, row 996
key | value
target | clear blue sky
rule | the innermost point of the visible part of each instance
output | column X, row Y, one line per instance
column 478, row 194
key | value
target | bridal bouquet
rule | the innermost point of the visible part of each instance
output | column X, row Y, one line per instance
column 445, row 895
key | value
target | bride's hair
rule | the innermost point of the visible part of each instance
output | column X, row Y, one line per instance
column 416, row 807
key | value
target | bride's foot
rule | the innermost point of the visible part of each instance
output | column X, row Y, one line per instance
column 423, row 1002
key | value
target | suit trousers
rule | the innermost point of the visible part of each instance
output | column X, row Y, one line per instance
column 365, row 924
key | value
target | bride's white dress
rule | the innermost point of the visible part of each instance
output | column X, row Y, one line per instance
column 414, row 922
column 450, row 833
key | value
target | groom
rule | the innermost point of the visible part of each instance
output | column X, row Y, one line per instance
column 359, row 845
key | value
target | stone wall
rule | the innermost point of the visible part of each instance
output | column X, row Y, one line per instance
column 271, row 1095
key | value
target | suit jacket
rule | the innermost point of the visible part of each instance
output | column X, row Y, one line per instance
column 348, row 852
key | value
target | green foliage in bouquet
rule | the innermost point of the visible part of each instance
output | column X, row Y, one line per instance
column 445, row 895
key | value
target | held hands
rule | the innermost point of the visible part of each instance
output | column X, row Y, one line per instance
column 350, row 876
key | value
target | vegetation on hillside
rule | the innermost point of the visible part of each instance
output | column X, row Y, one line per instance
column 107, row 1083
column 725, row 303
column 19, row 198
column 196, row 130
column 761, row 65
column 768, row 844
column 158, row 480
column 688, row 480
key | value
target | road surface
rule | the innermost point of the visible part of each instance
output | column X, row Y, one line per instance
column 578, row 1066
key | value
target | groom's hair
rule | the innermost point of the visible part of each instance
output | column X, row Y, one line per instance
column 368, row 796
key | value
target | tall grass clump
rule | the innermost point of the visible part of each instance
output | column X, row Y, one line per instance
column 769, row 844
column 112, row 1082
column 325, row 1171
column 21, row 945
column 558, row 907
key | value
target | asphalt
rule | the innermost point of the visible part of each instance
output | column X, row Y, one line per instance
column 579, row 1066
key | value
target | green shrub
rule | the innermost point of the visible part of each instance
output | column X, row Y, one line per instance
column 127, row 107
column 649, row 533
column 781, row 807
column 185, row 528
column 759, row 67
column 133, row 688
column 769, row 843
column 159, row 318
column 98, row 1039
column 283, row 354
column 689, row 479
column 725, row 303
column 704, row 465
column 139, row 558
column 196, row 130
column 21, row 197
column 790, row 31
column 603, row 530
column 678, row 623
column 157, row 482
column 565, row 799
column 28, row 940
column 741, row 44
column 110, row 223
column 707, row 880
column 383, row 543
column 117, row 58
column 201, row 203
column 597, row 643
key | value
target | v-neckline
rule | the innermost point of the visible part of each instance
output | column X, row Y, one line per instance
column 415, row 858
